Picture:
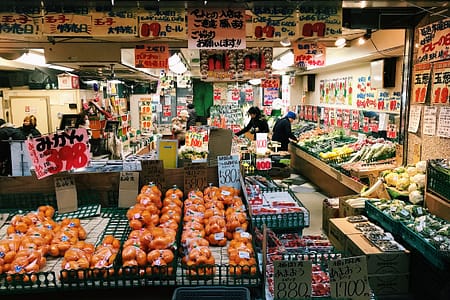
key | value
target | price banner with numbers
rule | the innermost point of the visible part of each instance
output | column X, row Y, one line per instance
column 263, row 164
column 167, row 23
column 195, row 176
column 57, row 152
column 66, row 193
column 128, row 188
column 292, row 279
column 273, row 23
column 229, row 171
column 261, row 143
column 348, row 278
column 152, row 171
column 309, row 54
column 316, row 19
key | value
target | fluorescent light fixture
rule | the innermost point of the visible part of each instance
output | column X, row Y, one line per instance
column 35, row 57
column 287, row 58
column 115, row 81
column 255, row 81
column 278, row 64
column 361, row 41
column 340, row 42
column 60, row 68
column 174, row 60
column 176, row 65
column 285, row 42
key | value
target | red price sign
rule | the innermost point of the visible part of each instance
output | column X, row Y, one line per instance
column 263, row 164
column 270, row 83
column 59, row 152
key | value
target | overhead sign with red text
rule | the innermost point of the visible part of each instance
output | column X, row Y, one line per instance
column 422, row 76
column 317, row 19
column 14, row 25
column 58, row 152
column 441, row 83
column 273, row 23
column 309, row 54
column 153, row 56
column 61, row 24
column 434, row 40
column 170, row 23
column 114, row 23
column 221, row 28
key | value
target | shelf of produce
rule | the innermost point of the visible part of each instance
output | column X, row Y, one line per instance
column 331, row 181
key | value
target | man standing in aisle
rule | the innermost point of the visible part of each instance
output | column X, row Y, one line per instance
column 282, row 131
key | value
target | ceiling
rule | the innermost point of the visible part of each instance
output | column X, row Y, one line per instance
column 103, row 58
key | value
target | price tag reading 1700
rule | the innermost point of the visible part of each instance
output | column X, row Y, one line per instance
column 348, row 278
column 292, row 279
column 229, row 171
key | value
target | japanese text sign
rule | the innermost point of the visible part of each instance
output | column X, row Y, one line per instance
column 348, row 278
column 433, row 41
column 169, row 23
column 58, row 152
column 441, row 83
column 153, row 56
column 128, row 188
column 216, row 28
column 274, row 23
column 67, row 24
column 17, row 25
column 309, row 54
column 195, row 176
column 421, row 75
column 117, row 23
column 292, row 279
column 261, row 143
column 66, row 193
column 319, row 20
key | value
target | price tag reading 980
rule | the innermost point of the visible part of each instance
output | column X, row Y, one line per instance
column 292, row 279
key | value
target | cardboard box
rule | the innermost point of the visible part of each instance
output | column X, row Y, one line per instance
column 219, row 143
column 328, row 212
column 389, row 284
column 346, row 210
column 339, row 230
column 68, row 81
column 378, row 262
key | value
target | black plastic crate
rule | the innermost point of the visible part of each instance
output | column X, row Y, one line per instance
column 438, row 180
column 210, row 293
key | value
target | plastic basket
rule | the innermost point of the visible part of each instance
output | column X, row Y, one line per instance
column 210, row 293
column 384, row 220
column 438, row 180
column 435, row 257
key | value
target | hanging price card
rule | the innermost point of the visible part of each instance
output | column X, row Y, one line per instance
column 58, row 152
column 261, row 143
column 195, row 176
column 348, row 278
column 229, row 171
column 66, row 193
column 263, row 164
column 152, row 171
column 292, row 279
column 128, row 188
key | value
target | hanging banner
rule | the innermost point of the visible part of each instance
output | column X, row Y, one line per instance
column 441, row 83
column 168, row 23
column 421, row 75
column 152, row 56
column 273, row 23
column 319, row 19
column 58, row 152
column 61, row 24
column 114, row 23
column 433, row 41
column 17, row 26
column 307, row 55
column 216, row 28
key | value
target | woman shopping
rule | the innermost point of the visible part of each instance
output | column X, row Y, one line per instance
column 257, row 123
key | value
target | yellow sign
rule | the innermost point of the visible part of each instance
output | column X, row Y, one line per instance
column 168, row 153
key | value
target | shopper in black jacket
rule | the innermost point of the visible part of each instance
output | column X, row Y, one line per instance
column 282, row 131
column 257, row 123
column 29, row 127
column 7, row 131
column 192, row 116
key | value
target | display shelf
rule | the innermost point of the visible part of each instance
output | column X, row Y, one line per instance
column 330, row 180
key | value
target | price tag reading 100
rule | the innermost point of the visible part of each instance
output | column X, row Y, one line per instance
column 229, row 171
column 292, row 279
